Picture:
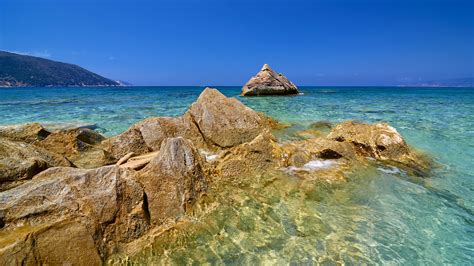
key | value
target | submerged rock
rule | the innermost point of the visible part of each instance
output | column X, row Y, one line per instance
column 21, row 161
column 173, row 180
column 28, row 133
column 80, row 146
column 71, row 215
column 267, row 82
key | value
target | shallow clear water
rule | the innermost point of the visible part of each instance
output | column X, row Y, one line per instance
column 380, row 216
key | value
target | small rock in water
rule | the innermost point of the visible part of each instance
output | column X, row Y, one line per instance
column 267, row 82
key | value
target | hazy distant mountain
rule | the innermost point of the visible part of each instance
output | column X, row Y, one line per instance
column 29, row 71
column 459, row 82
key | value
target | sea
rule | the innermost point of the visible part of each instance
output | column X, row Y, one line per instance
column 381, row 216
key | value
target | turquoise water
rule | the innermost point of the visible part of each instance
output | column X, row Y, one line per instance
column 379, row 217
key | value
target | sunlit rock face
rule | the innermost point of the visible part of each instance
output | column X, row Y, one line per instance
column 268, row 82
column 173, row 180
column 213, row 121
column 79, row 145
column 28, row 133
column 97, row 209
column 20, row 161
column 225, row 122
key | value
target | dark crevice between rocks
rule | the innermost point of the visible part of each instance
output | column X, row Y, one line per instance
column 340, row 139
column 329, row 154
column 145, row 208
column 2, row 220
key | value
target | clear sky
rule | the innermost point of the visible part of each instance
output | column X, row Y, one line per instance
column 224, row 42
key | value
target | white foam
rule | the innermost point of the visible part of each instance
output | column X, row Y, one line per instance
column 390, row 170
column 318, row 164
column 312, row 166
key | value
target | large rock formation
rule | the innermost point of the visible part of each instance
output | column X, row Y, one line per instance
column 225, row 122
column 267, row 82
column 21, row 161
column 173, row 180
column 382, row 142
column 79, row 145
column 379, row 141
column 71, row 215
column 28, row 133
column 213, row 121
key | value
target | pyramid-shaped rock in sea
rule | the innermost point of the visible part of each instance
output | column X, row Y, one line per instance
column 268, row 82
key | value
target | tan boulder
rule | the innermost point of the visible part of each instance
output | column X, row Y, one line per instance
column 382, row 142
column 21, row 161
column 80, row 146
column 212, row 122
column 254, row 157
column 99, row 209
column 28, row 133
column 267, row 82
column 225, row 122
column 67, row 242
column 173, row 180
column 147, row 135
column 129, row 141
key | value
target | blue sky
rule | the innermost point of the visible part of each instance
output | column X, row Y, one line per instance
column 225, row 42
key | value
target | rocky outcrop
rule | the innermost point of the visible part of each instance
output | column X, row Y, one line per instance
column 382, row 142
column 267, row 82
column 28, row 133
column 21, row 161
column 71, row 215
column 225, row 122
column 173, row 180
column 253, row 157
column 379, row 141
column 79, row 145
column 213, row 121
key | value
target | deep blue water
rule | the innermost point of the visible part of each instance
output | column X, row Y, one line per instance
column 398, row 221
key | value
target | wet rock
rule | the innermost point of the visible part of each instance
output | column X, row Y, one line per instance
column 254, row 157
column 21, row 161
column 267, row 82
column 382, row 142
column 28, row 133
column 173, row 180
column 50, row 245
column 80, row 146
column 321, row 125
column 99, row 209
column 225, row 122
column 379, row 141
column 317, row 148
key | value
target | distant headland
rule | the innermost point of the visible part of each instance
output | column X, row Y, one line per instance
column 28, row 71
